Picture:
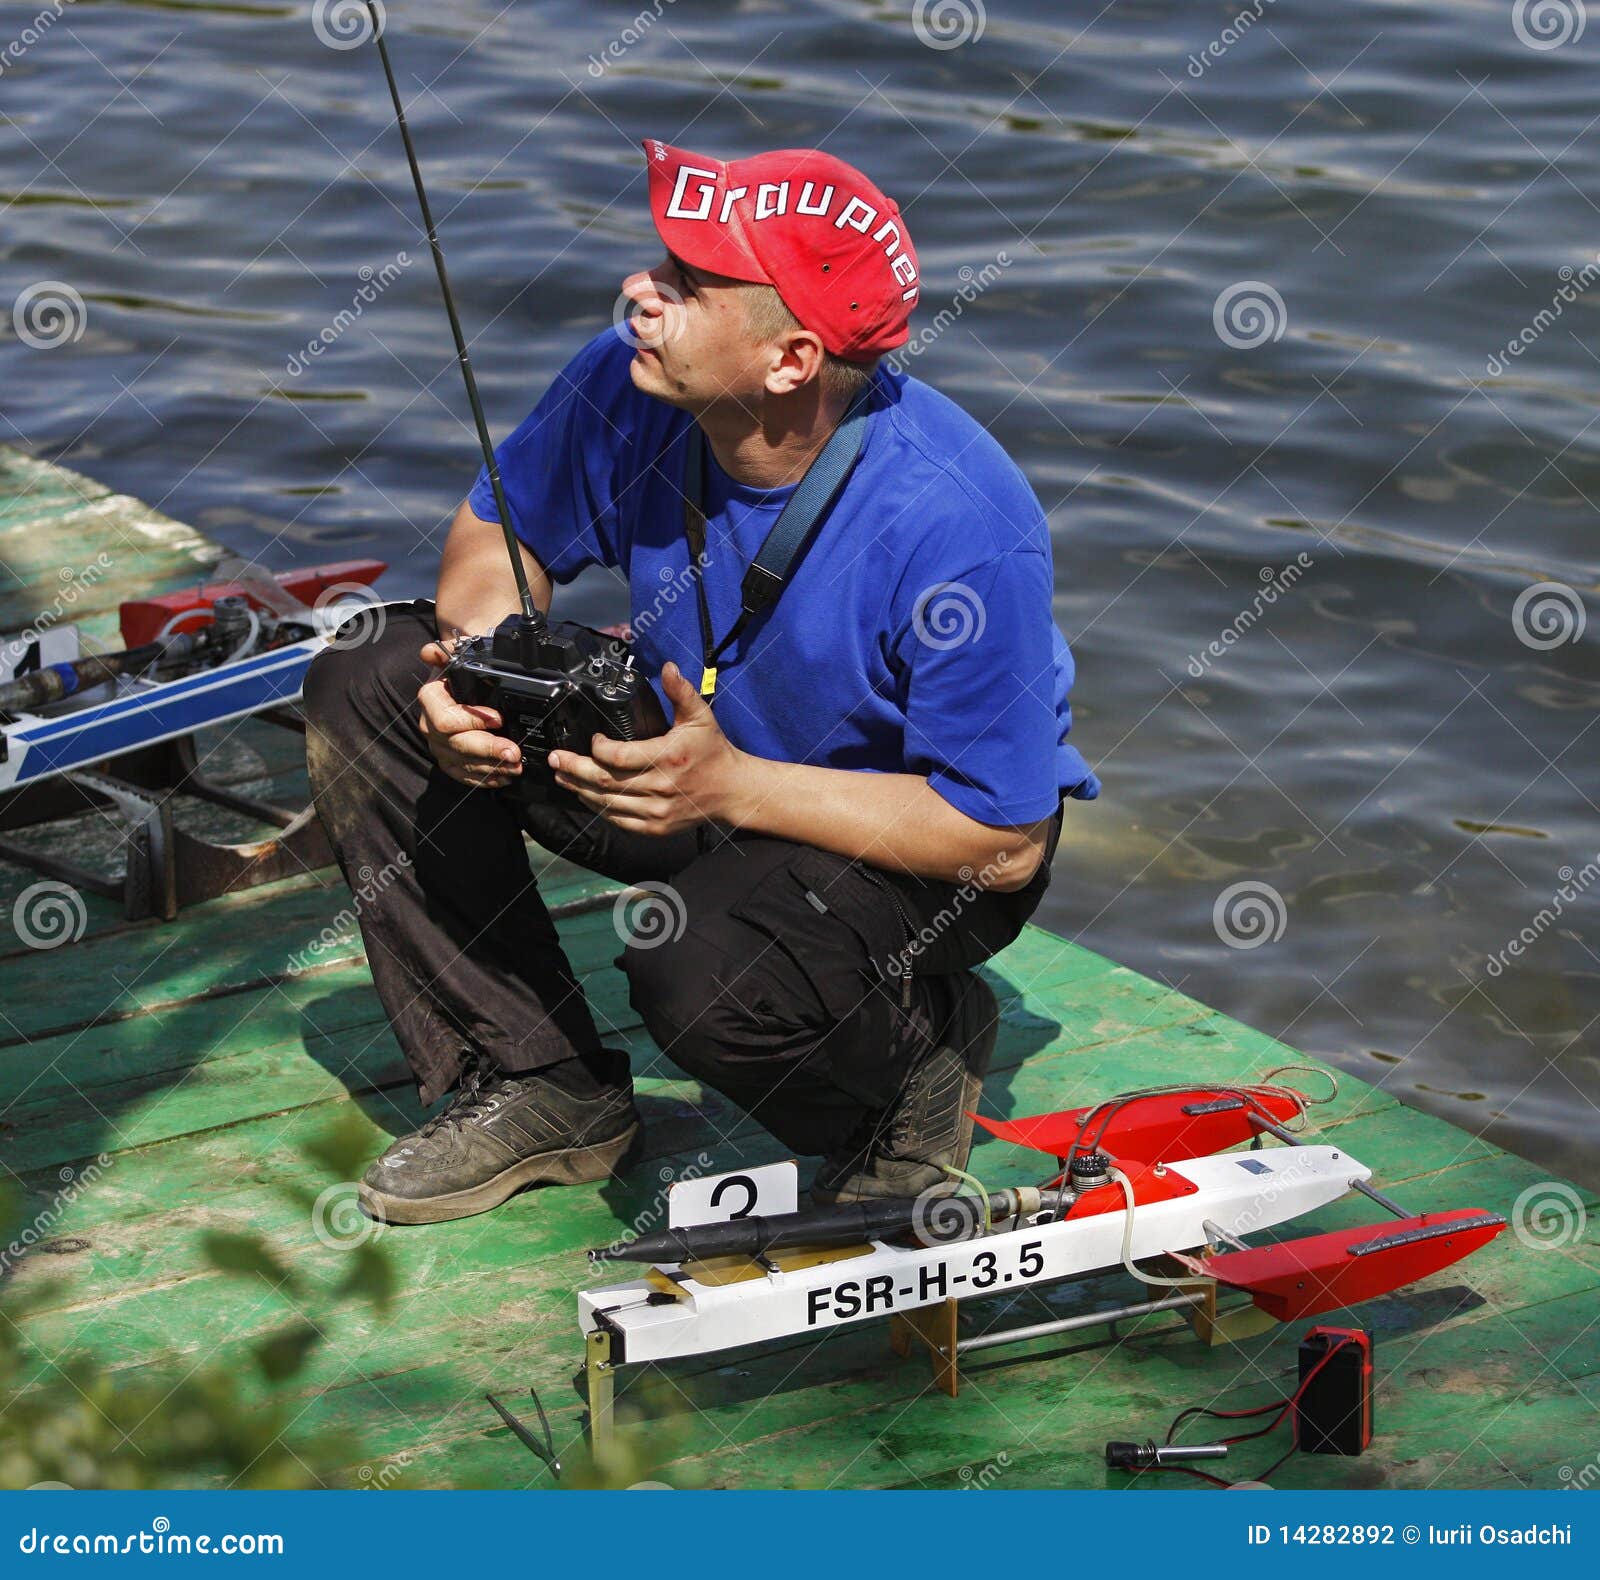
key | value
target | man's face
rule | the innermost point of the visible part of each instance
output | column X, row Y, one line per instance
column 695, row 349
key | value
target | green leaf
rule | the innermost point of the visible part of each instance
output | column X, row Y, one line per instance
column 283, row 1354
column 371, row 1274
column 247, row 1254
column 345, row 1149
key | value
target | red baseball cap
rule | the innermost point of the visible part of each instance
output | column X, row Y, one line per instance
column 807, row 224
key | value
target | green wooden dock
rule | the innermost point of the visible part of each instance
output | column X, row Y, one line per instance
column 196, row 1059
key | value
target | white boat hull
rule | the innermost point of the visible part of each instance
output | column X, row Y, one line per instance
column 1240, row 1192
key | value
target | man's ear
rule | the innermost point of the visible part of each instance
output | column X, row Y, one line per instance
column 797, row 360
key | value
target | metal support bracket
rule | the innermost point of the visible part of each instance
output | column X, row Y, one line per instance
column 600, row 1386
column 167, row 867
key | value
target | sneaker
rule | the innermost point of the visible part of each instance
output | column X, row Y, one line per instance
column 497, row 1134
column 927, row 1130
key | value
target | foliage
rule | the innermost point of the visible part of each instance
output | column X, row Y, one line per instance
column 175, row 1421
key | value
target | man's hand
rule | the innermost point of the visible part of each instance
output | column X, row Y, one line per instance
column 459, row 737
column 685, row 777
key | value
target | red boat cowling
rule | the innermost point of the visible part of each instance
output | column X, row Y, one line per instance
column 142, row 619
column 1156, row 1127
column 1299, row 1278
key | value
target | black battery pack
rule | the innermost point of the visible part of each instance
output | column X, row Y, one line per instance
column 1334, row 1415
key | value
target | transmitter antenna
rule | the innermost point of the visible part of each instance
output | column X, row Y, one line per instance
column 513, row 549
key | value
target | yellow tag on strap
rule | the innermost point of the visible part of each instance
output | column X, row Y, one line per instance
column 708, row 680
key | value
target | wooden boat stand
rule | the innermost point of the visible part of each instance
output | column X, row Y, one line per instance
column 167, row 867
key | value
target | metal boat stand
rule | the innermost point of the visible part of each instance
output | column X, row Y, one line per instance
column 934, row 1327
column 167, row 866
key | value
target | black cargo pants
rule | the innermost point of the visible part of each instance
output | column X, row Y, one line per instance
column 776, row 973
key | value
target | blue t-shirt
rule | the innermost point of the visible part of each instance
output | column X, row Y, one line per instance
column 914, row 636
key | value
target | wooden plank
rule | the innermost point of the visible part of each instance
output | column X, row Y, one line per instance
column 52, row 519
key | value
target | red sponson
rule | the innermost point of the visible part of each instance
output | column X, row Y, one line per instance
column 143, row 618
column 1163, row 1127
column 1299, row 1278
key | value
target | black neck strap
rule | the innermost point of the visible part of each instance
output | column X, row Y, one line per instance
column 780, row 551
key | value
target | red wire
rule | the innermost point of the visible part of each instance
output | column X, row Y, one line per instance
column 1283, row 1407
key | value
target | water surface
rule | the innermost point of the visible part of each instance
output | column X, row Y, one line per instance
column 1402, row 783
